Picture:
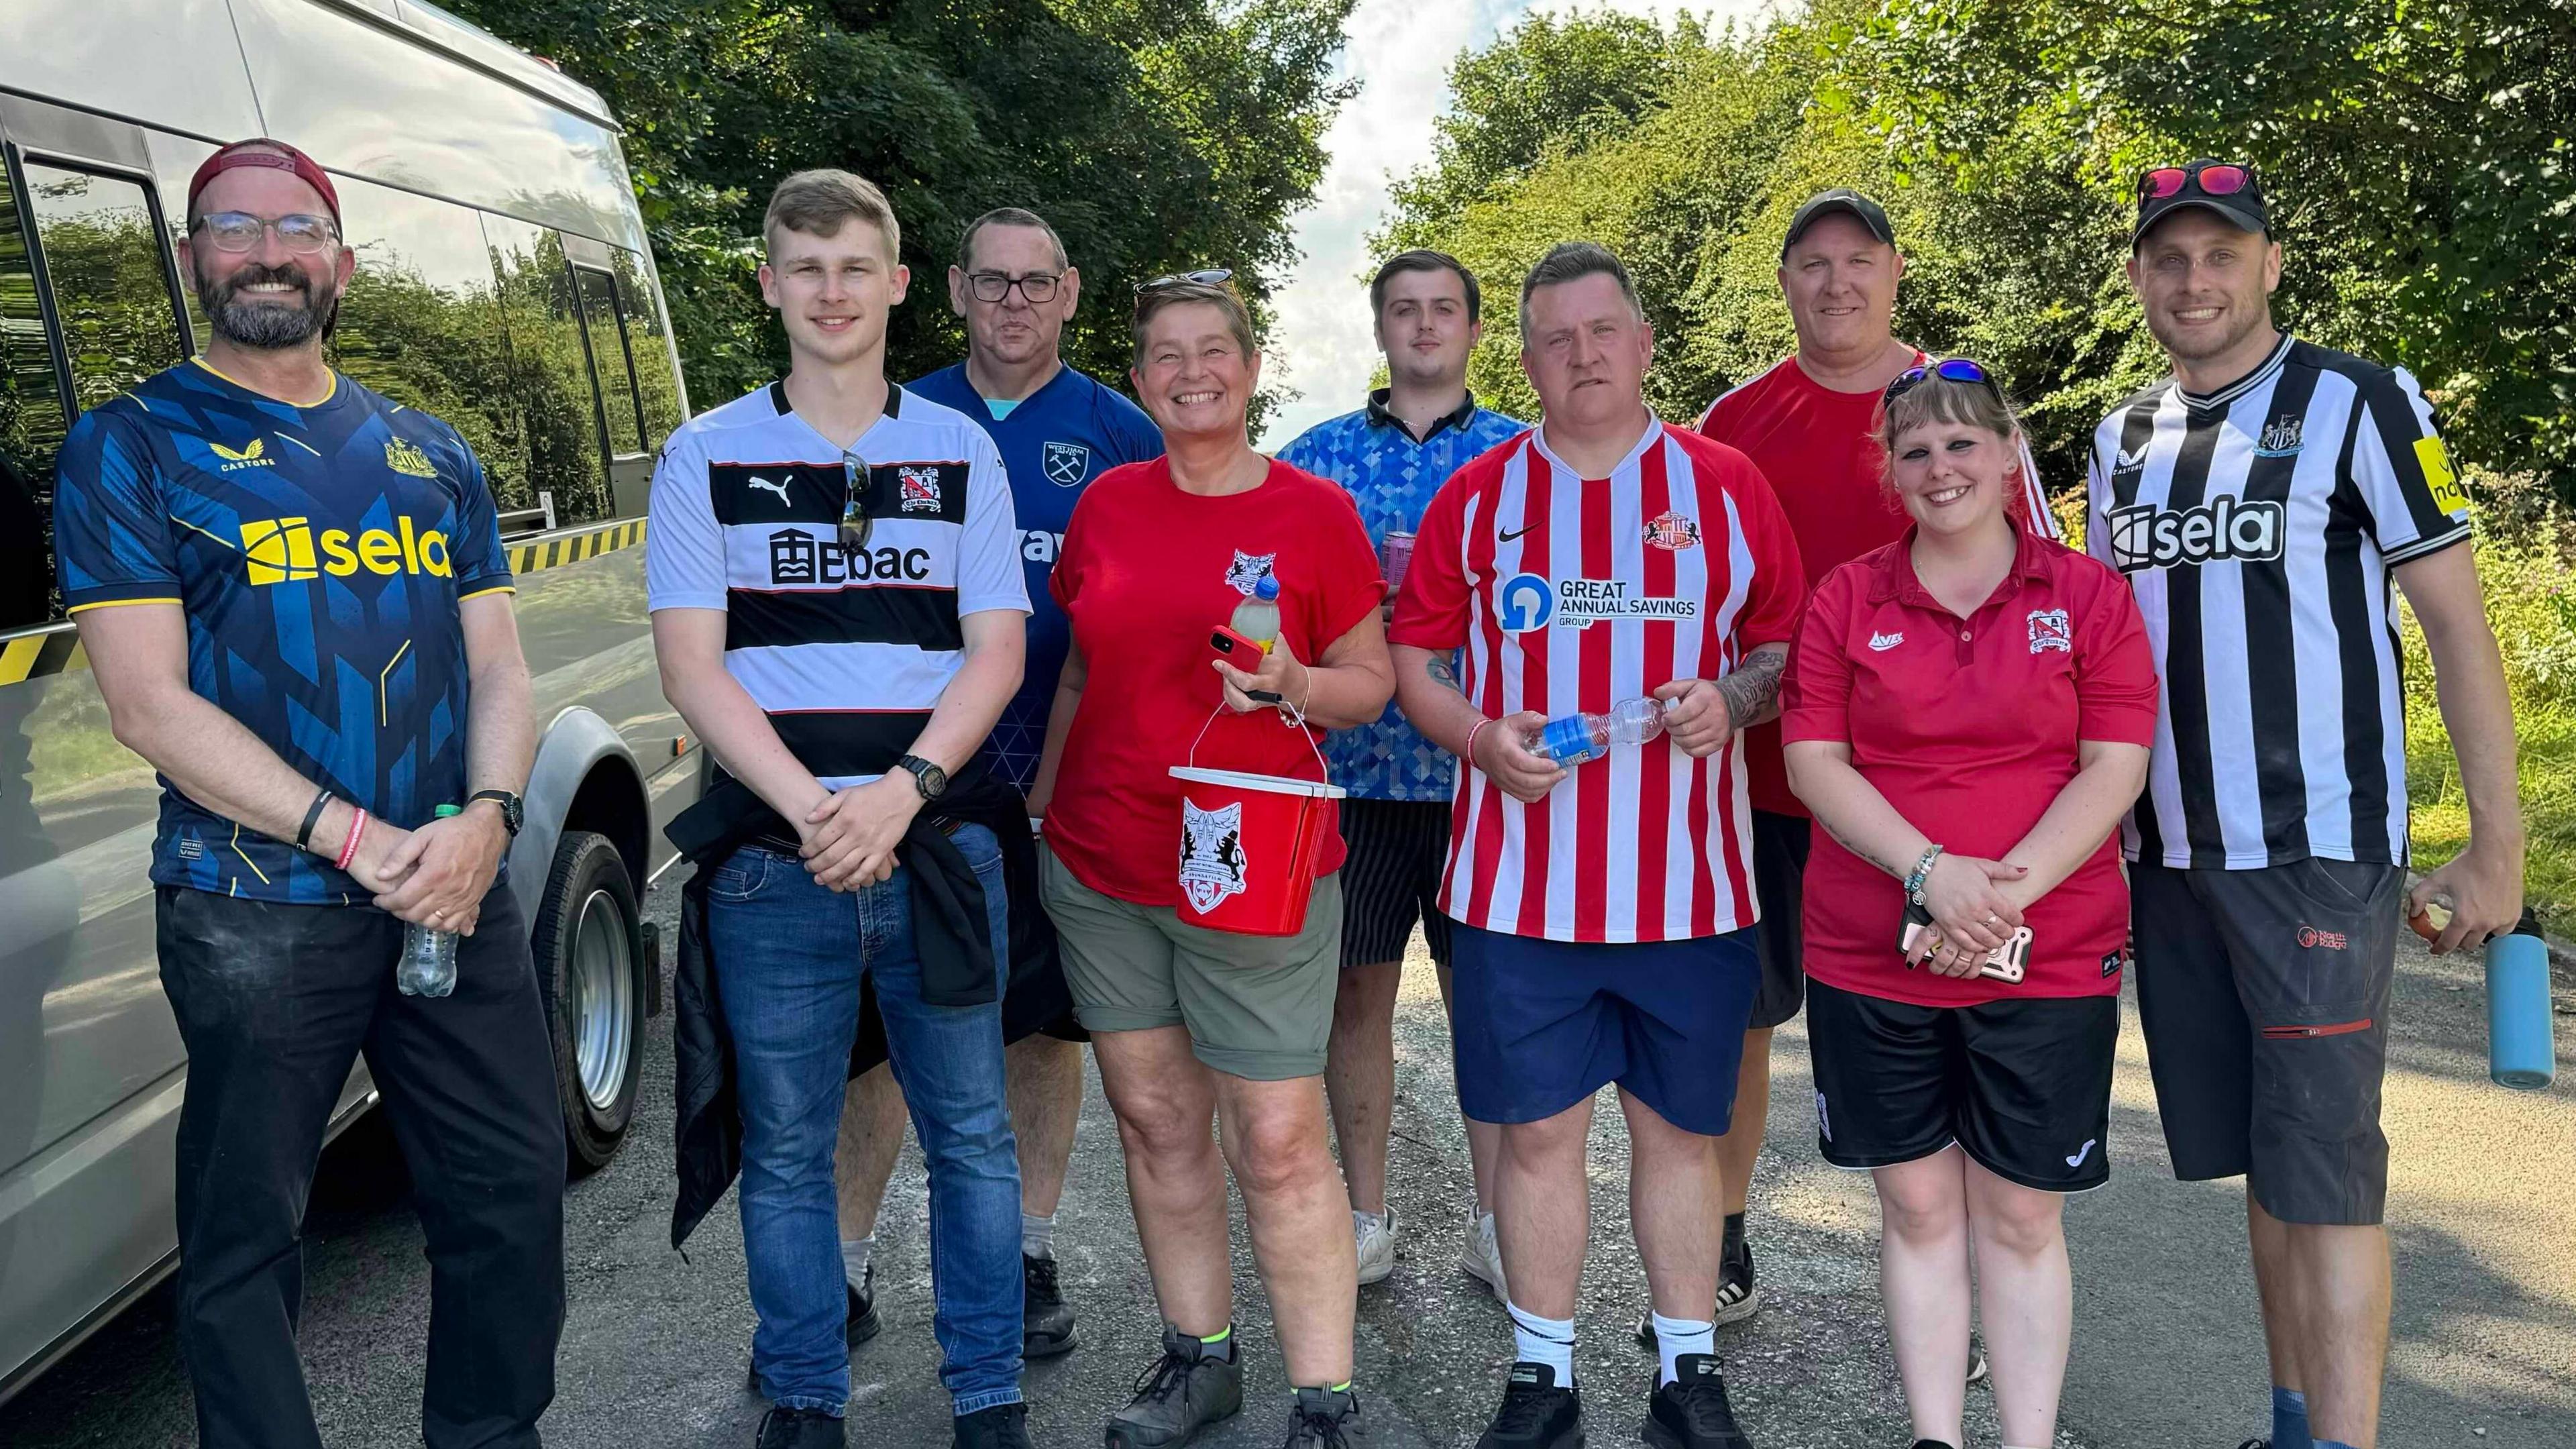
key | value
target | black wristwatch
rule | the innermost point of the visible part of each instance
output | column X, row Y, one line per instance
column 514, row 811
column 928, row 778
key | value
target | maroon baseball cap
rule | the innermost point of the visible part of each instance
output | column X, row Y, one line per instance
column 275, row 156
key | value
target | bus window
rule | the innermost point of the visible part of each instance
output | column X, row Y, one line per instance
column 608, row 354
column 657, row 385
column 109, row 278
column 550, row 369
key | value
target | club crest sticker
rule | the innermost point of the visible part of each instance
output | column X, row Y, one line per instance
column 1212, row 862
column 1248, row 569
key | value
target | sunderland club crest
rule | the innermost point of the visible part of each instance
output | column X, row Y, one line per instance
column 1248, row 569
column 1212, row 860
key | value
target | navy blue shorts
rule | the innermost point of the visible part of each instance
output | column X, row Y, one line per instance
column 1540, row 1025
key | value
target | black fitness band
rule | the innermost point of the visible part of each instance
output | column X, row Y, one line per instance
column 312, row 817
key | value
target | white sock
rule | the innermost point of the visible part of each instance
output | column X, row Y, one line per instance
column 1677, row 1336
column 1037, row 1235
column 855, row 1253
column 1544, row 1340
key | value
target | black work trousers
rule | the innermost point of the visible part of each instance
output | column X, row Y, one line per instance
column 275, row 1002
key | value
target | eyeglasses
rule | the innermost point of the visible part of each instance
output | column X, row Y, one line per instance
column 1948, row 369
column 1210, row 277
column 856, row 524
column 2214, row 179
column 1037, row 287
column 239, row 231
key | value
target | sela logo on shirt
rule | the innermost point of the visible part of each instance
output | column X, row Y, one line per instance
column 1212, row 861
column 2049, row 630
column 2280, row 440
column 1672, row 533
column 919, row 489
column 2147, row 537
column 2312, row 939
column 253, row 455
column 281, row 551
column 772, row 485
column 797, row 557
column 1065, row 463
column 1248, row 569
column 1881, row 643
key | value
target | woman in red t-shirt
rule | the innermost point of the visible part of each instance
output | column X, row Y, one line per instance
column 1189, row 1022
column 1968, row 712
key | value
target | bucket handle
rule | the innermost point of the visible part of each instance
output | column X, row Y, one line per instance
column 1290, row 716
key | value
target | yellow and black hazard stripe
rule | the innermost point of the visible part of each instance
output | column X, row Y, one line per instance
column 546, row 553
column 31, row 656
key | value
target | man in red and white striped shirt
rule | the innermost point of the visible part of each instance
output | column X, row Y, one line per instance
column 1604, row 911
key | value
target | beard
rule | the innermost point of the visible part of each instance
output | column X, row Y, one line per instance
column 266, row 326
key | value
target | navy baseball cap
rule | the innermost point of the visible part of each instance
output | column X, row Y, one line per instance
column 1842, row 201
column 2226, row 188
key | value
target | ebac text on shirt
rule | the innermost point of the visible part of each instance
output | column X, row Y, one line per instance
column 319, row 555
column 847, row 652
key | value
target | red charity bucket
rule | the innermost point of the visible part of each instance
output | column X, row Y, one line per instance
column 1249, row 848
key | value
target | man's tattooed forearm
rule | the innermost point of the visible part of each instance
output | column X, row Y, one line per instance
column 1442, row 673
column 1752, row 691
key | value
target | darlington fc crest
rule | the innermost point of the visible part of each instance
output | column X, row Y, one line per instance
column 1211, row 854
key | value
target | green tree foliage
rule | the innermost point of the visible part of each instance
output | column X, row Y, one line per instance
column 1157, row 135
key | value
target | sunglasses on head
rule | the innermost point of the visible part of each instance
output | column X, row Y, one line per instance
column 1948, row 369
column 1207, row 277
column 2213, row 179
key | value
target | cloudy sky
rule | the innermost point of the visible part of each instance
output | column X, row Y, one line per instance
column 1400, row 51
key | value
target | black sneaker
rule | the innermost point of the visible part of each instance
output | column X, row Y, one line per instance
column 858, row 1325
column 1691, row 1412
column 1187, row 1388
column 1937, row 1444
column 1046, row 1320
column 1536, row 1414
column 800, row 1429
column 2255, row 1444
column 1737, row 1298
column 1325, row 1419
column 1003, row 1426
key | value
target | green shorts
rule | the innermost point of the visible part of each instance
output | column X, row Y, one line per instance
column 1258, row 1007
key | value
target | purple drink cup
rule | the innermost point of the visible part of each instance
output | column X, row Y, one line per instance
column 1395, row 555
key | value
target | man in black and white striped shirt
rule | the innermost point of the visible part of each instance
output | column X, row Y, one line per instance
column 2261, row 500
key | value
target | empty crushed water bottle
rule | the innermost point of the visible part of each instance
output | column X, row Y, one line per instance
column 428, row 956
column 1575, row 739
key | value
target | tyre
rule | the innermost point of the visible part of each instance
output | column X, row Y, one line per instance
column 589, row 949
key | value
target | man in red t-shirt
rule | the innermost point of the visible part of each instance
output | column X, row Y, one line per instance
column 1602, row 896
column 1808, row 424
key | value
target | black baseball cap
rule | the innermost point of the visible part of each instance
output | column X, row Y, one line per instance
column 1842, row 200
column 2225, row 188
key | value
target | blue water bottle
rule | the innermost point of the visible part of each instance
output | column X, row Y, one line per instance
column 2519, row 1051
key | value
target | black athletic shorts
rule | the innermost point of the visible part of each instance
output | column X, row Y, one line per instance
column 2023, row 1085
column 1398, row 849
column 1780, row 940
column 2264, row 994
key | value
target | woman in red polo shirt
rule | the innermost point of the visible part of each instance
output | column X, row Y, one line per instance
column 1968, row 712
column 1192, row 1025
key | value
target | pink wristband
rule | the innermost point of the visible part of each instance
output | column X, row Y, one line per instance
column 1470, row 752
column 349, row 847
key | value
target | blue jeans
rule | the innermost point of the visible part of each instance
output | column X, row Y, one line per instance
column 789, row 955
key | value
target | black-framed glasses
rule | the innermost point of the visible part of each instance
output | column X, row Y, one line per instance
column 239, row 231
column 1037, row 287
column 856, row 524
column 1207, row 277
column 2213, row 178
column 1948, row 369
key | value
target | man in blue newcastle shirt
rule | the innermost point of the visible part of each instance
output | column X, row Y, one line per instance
column 1057, row 429
column 1393, row 455
column 293, row 595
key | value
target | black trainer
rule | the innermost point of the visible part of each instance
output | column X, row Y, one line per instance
column 1536, row 1414
column 1325, row 1419
column 1937, row 1444
column 1003, row 1426
column 1046, row 1320
column 858, row 1325
column 1187, row 1389
column 1737, row 1297
column 1691, row 1412
column 800, row 1429
column 2255, row 1444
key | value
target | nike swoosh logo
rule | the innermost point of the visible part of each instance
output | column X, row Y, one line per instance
column 2081, row 1153
column 1514, row 534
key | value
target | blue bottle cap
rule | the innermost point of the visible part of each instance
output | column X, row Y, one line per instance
column 1268, row 587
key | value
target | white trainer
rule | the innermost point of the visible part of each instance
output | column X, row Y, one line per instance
column 1376, row 1243
column 1481, row 1256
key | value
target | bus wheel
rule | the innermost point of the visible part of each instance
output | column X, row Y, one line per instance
column 589, row 948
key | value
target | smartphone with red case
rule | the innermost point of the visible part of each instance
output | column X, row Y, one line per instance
column 1236, row 650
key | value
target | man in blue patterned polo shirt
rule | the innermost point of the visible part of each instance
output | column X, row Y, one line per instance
column 1393, row 455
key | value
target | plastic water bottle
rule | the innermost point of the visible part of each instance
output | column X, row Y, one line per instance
column 1575, row 739
column 429, row 956
column 2519, row 1052
column 1257, row 617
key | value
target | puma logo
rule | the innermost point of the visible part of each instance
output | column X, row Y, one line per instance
column 779, row 488
column 2081, row 1153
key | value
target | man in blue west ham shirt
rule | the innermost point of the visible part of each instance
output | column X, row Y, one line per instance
column 1393, row 455
column 1057, row 429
